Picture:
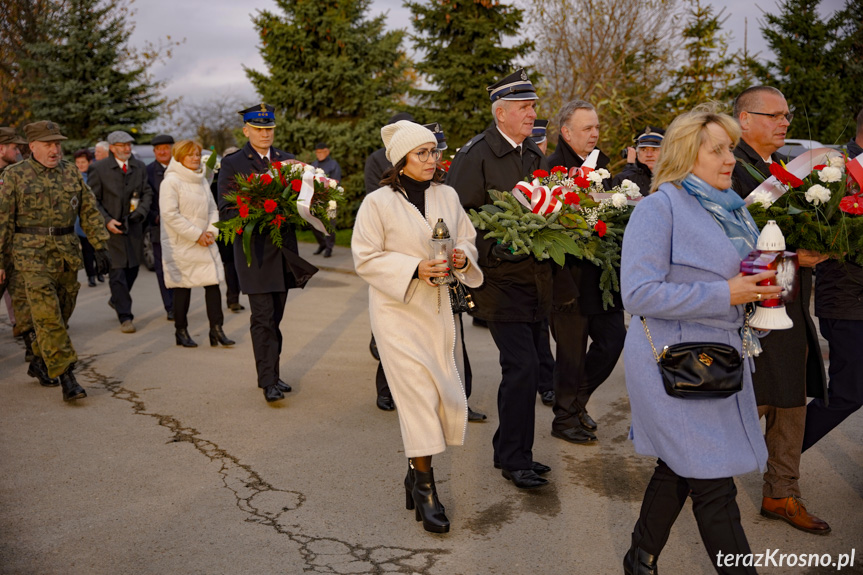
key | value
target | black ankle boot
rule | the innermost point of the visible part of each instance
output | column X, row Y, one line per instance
column 71, row 389
column 409, row 488
column 184, row 339
column 637, row 561
column 428, row 508
column 217, row 336
column 39, row 370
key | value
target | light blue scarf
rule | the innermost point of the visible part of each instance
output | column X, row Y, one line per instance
column 729, row 211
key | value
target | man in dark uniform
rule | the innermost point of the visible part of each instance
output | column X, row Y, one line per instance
column 647, row 150
column 516, row 295
column 332, row 169
column 540, row 135
column 162, row 146
column 273, row 271
column 39, row 202
column 791, row 367
column 578, row 312
column 119, row 183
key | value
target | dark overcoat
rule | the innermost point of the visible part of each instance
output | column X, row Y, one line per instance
column 376, row 164
column 791, row 367
column 512, row 291
column 272, row 269
column 114, row 191
column 155, row 175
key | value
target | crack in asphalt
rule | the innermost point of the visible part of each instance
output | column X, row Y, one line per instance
column 266, row 505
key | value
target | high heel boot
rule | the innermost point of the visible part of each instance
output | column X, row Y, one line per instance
column 637, row 561
column 184, row 339
column 217, row 336
column 428, row 508
column 409, row 489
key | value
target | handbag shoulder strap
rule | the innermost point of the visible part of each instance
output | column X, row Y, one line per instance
column 650, row 339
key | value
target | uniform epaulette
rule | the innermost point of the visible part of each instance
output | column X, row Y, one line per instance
column 472, row 141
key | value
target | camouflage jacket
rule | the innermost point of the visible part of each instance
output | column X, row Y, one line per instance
column 32, row 195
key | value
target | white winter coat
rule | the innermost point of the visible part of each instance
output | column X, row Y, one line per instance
column 187, row 210
column 416, row 339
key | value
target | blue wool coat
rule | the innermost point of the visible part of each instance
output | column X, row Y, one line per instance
column 675, row 265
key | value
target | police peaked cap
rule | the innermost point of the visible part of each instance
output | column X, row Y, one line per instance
column 540, row 128
column 260, row 116
column 516, row 86
column 438, row 134
column 651, row 137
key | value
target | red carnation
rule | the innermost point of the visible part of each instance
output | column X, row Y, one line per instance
column 852, row 205
column 278, row 221
column 251, row 178
column 296, row 185
column 266, row 179
column 582, row 182
column 571, row 198
column 600, row 228
column 785, row 176
column 819, row 167
column 558, row 169
column 239, row 231
column 540, row 174
column 244, row 211
column 270, row 206
column 277, row 165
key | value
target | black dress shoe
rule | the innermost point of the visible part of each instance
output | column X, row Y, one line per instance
column 235, row 307
column 283, row 387
column 91, row 281
column 273, row 393
column 575, row 435
column 587, row 421
column 170, row 316
column 547, row 397
column 535, row 466
column 101, row 278
column 639, row 562
column 320, row 250
column 328, row 253
column 385, row 403
column 524, row 478
column 475, row 415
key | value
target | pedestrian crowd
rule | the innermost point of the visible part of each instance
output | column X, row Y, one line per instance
column 679, row 280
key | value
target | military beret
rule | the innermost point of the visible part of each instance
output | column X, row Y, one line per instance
column 43, row 132
column 120, row 137
column 162, row 139
column 10, row 136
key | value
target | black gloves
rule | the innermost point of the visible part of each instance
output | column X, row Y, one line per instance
column 103, row 261
column 502, row 252
column 136, row 217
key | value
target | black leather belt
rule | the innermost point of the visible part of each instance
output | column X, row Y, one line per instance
column 52, row 231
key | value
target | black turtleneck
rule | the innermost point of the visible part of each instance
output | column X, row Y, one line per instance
column 416, row 192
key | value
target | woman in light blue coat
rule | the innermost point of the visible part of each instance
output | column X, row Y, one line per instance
column 681, row 257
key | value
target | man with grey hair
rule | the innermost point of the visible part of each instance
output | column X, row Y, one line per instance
column 791, row 366
column 516, row 296
column 577, row 310
column 102, row 150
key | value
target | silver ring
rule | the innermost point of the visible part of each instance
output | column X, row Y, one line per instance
column 758, row 296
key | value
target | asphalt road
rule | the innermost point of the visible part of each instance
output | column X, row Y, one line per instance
column 174, row 464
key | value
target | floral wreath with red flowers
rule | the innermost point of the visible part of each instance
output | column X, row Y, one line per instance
column 289, row 193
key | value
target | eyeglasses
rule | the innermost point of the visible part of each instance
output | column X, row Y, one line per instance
column 776, row 117
column 423, row 155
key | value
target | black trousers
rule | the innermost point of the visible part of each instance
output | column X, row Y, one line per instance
column 324, row 241
column 166, row 292
column 517, row 343
column 580, row 370
column 383, row 387
column 232, row 283
column 715, row 508
column 88, row 253
column 845, row 394
column 267, row 312
column 213, row 299
column 546, row 360
column 121, row 281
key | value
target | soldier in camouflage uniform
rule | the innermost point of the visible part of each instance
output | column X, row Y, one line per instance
column 39, row 201
column 9, row 154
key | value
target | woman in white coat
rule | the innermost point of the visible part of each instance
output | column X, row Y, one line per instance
column 411, row 317
column 190, row 257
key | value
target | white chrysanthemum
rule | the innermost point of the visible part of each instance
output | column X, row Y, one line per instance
column 618, row 200
column 830, row 174
column 817, row 194
column 332, row 205
column 341, row 190
column 332, row 183
column 603, row 173
column 763, row 197
column 309, row 168
column 630, row 188
column 320, row 172
column 594, row 177
column 836, row 161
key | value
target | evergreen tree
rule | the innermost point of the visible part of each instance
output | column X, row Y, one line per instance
column 849, row 48
column 707, row 71
column 89, row 80
column 334, row 75
column 806, row 67
column 462, row 42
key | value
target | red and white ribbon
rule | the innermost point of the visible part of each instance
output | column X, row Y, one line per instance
column 800, row 167
column 538, row 199
column 304, row 200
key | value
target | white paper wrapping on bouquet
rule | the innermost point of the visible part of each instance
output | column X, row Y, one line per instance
column 801, row 166
column 304, row 200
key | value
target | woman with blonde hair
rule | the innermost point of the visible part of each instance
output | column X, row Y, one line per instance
column 679, row 272
column 190, row 257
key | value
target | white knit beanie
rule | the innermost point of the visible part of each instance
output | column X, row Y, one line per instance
column 402, row 137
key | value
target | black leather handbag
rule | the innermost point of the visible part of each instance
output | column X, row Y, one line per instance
column 460, row 298
column 699, row 370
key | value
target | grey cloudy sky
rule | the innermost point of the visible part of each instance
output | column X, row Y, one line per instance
column 220, row 39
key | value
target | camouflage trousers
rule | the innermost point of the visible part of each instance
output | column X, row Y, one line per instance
column 52, row 297
column 15, row 286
